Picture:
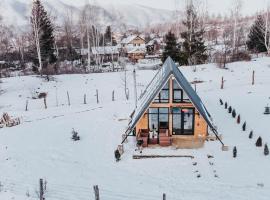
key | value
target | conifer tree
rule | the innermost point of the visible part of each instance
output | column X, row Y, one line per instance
column 256, row 37
column 193, row 48
column 171, row 47
column 108, row 36
column 43, row 35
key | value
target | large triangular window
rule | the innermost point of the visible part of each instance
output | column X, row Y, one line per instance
column 179, row 95
column 164, row 95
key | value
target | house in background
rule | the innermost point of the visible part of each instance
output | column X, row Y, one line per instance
column 133, row 47
column 170, row 112
column 136, row 54
column 105, row 53
column 133, row 41
column 155, row 47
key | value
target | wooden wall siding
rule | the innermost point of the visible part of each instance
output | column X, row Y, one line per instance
column 137, row 40
column 143, row 123
column 200, row 125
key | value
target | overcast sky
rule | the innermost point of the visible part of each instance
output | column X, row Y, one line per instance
column 216, row 6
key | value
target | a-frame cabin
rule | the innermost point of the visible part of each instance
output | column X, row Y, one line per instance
column 170, row 112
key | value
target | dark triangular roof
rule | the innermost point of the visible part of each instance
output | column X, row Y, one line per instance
column 168, row 69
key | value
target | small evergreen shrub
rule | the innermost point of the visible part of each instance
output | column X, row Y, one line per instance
column 266, row 150
column 220, row 101
column 234, row 152
column 238, row 119
column 230, row 109
column 250, row 135
column 233, row 113
column 117, row 155
column 244, row 126
column 259, row 142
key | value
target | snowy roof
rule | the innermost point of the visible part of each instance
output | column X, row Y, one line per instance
column 129, row 39
column 155, row 86
column 137, row 50
column 105, row 50
column 157, row 40
column 101, row 50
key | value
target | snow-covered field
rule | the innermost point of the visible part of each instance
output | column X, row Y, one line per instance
column 41, row 146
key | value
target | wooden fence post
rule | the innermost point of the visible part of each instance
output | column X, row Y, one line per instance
column 253, row 77
column 222, row 83
column 84, row 99
column 96, row 191
column 97, row 96
column 45, row 102
column 164, row 196
column 26, row 106
column 68, row 98
column 41, row 191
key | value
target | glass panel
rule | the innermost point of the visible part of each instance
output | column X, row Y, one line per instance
column 164, row 96
column 177, row 124
column 153, row 111
column 163, row 110
column 188, row 120
column 153, row 122
column 177, row 96
column 185, row 97
column 176, row 85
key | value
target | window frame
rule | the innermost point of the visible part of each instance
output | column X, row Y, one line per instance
column 184, row 132
column 158, row 99
column 158, row 116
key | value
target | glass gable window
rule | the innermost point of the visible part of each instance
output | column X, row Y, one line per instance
column 164, row 95
column 179, row 94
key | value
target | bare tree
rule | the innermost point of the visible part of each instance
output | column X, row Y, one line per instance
column 236, row 14
column 37, row 27
column 267, row 28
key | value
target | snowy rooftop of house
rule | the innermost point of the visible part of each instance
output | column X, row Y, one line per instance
column 136, row 50
column 102, row 50
column 152, row 42
column 169, row 68
column 129, row 39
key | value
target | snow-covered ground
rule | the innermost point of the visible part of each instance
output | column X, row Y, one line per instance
column 41, row 146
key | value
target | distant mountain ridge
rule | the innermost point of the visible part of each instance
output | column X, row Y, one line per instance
column 17, row 13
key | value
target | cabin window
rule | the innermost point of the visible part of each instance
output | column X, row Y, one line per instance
column 177, row 92
column 188, row 123
column 183, row 121
column 158, row 118
column 179, row 95
column 163, row 96
column 153, row 118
